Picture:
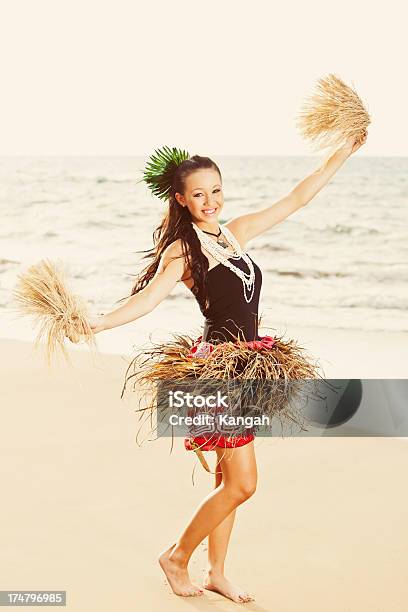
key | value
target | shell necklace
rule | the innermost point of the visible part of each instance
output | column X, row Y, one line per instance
column 218, row 252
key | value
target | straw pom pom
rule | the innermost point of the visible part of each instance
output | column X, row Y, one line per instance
column 42, row 293
column 334, row 113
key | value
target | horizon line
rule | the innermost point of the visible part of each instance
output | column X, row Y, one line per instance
column 213, row 154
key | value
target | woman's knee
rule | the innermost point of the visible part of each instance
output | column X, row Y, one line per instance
column 239, row 471
column 242, row 490
column 248, row 488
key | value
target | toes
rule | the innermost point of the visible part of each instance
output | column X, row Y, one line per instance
column 246, row 598
column 196, row 593
column 193, row 592
column 187, row 593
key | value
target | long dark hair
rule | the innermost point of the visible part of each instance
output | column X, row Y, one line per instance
column 176, row 224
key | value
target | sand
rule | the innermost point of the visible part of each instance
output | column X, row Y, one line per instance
column 85, row 510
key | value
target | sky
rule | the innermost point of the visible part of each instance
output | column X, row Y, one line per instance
column 116, row 77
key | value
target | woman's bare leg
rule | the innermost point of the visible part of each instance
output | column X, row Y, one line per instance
column 238, row 484
column 219, row 537
column 218, row 540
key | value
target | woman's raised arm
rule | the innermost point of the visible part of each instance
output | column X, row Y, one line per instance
column 171, row 269
column 253, row 224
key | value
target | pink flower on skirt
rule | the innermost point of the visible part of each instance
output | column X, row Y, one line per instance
column 201, row 348
column 264, row 342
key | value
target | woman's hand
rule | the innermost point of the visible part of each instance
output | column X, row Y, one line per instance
column 97, row 324
column 353, row 143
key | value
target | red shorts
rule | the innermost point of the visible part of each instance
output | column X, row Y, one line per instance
column 210, row 443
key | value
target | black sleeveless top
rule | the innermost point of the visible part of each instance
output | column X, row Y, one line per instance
column 228, row 315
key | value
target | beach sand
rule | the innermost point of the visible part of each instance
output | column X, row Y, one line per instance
column 84, row 509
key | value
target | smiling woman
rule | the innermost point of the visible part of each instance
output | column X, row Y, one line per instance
column 188, row 244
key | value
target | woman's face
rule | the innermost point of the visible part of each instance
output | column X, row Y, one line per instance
column 203, row 196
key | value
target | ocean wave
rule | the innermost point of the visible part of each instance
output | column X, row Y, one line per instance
column 52, row 201
column 273, row 248
column 307, row 273
column 105, row 179
column 357, row 230
column 95, row 179
column 103, row 223
column 176, row 297
column 379, row 302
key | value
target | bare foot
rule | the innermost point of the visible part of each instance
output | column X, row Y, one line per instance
column 177, row 576
column 219, row 584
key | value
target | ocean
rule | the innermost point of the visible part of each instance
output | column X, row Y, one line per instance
column 339, row 262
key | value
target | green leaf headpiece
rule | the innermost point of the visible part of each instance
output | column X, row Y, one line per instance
column 160, row 169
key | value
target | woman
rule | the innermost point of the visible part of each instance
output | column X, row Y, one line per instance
column 212, row 262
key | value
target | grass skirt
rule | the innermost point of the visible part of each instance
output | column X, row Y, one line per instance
column 278, row 367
